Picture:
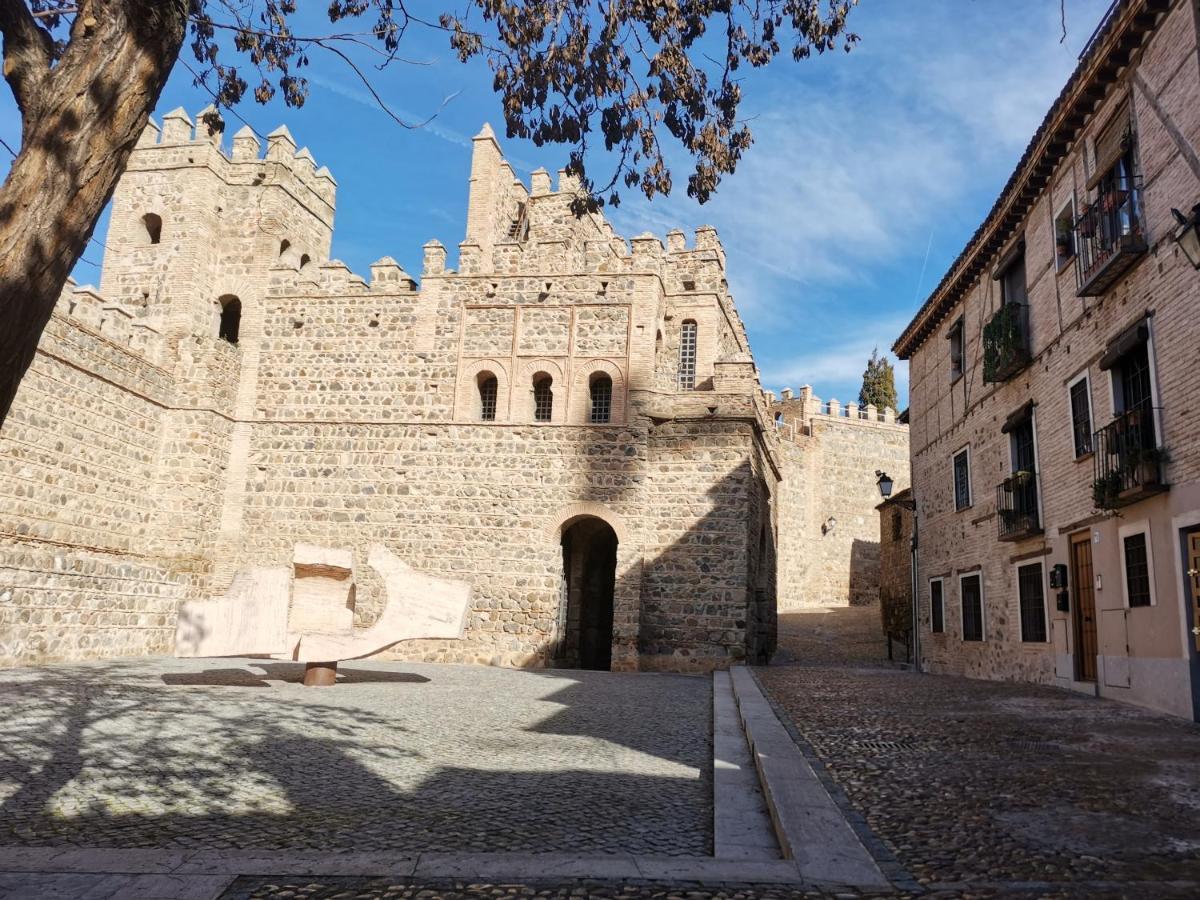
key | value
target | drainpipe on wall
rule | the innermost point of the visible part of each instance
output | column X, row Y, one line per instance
column 916, row 624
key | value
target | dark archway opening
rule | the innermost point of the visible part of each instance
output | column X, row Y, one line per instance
column 231, row 318
column 590, row 572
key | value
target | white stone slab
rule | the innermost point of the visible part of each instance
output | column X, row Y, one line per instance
column 250, row 620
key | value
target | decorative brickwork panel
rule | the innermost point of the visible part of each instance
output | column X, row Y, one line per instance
column 488, row 331
column 546, row 332
column 601, row 331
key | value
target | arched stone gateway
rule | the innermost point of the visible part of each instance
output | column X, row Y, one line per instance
column 589, row 548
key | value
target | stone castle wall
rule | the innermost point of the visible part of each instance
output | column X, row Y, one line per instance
column 830, row 456
column 347, row 413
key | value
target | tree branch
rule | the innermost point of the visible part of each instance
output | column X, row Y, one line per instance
column 28, row 52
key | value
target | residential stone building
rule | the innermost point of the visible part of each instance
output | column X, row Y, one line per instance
column 1055, row 460
column 896, row 531
column 570, row 421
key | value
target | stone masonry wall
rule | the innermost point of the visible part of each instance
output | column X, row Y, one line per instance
column 829, row 466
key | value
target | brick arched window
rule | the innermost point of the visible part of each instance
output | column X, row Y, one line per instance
column 600, row 411
column 152, row 222
column 231, row 318
column 284, row 245
column 489, row 388
column 305, row 259
column 687, row 355
column 543, row 397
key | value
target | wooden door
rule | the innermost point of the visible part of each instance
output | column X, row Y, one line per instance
column 1193, row 571
column 1084, row 580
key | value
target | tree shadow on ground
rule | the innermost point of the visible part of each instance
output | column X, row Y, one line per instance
column 102, row 756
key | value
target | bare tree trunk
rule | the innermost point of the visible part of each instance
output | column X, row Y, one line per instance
column 81, row 117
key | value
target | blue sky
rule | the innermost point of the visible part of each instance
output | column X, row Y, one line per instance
column 868, row 174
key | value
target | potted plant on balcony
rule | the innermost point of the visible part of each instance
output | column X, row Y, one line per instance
column 1145, row 466
column 1106, row 490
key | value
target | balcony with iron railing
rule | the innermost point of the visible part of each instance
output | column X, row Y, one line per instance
column 1017, row 507
column 1129, row 461
column 1110, row 237
column 1006, row 343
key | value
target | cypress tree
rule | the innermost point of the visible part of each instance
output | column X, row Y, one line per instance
column 879, row 383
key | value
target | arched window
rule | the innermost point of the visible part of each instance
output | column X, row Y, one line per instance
column 283, row 246
column 601, row 409
column 231, row 318
column 543, row 397
column 487, row 396
column 778, row 420
column 687, row 355
column 304, row 261
column 153, row 226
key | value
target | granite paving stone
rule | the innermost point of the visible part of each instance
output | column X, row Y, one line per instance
column 982, row 783
column 234, row 754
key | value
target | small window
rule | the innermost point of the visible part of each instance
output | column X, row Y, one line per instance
column 488, row 388
column 601, row 408
column 1012, row 279
column 1064, row 235
column 937, row 610
column 1081, row 414
column 284, row 245
column 1032, row 595
column 962, row 478
column 687, row 356
column 970, row 589
column 231, row 318
column 1137, row 569
column 956, row 350
column 304, row 261
column 153, row 225
column 543, row 397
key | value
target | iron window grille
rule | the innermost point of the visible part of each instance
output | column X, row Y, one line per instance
column 1081, row 417
column 488, row 388
column 601, row 390
column 543, row 399
column 687, row 356
column 1032, row 595
column 971, row 588
column 1137, row 569
column 937, row 618
column 962, row 479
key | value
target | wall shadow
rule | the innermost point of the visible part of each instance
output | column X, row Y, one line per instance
column 864, row 573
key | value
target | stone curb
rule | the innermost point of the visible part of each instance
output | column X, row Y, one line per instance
column 891, row 867
column 518, row 867
column 811, row 828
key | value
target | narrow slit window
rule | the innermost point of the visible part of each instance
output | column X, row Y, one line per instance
column 937, row 612
column 601, row 410
column 488, row 390
column 153, row 225
column 687, row 356
column 231, row 318
column 543, row 398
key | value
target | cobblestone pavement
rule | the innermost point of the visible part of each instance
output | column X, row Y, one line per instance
column 236, row 754
column 998, row 786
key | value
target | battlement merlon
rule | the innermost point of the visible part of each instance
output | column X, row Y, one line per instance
column 181, row 141
column 511, row 226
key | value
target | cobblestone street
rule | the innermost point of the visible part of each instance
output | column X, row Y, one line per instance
column 226, row 754
column 1005, row 786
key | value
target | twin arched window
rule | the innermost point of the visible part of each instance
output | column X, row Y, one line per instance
column 543, row 397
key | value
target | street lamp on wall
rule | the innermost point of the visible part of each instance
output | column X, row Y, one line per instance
column 1187, row 236
column 885, row 484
